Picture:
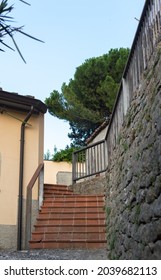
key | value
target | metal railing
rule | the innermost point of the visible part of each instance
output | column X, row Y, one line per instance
column 39, row 174
column 147, row 36
column 90, row 160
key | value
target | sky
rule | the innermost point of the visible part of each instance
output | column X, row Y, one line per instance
column 73, row 31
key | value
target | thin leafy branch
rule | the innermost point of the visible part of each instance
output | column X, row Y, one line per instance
column 25, row 2
column 7, row 28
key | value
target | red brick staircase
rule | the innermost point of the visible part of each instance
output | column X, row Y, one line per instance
column 69, row 221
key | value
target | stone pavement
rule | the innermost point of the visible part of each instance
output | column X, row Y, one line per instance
column 60, row 254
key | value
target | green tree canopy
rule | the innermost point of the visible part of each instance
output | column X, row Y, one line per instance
column 87, row 100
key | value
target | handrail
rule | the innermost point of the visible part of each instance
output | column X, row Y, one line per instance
column 35, row 176
column 38, row 174
column 89, row 146
column 89, row 161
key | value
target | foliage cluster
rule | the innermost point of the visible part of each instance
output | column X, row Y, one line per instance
column 61, row 155
column 64, row 155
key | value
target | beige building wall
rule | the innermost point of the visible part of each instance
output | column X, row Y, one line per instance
column 51, row 169
column 91, row 161
column 100, row 136
column 10, row 134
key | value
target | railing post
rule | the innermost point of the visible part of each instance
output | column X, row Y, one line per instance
column 126, row 97
column 39, row 173
column 41, row 187
column 28, row 217
column 106, row 153
column 73, row 168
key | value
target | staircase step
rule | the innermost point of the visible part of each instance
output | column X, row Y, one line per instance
column 39, row 236
column 72, row 205
column 65, row 209
column 76, row 202
column 68, row 228
column 55, row 186
column 70, row 222
column 68, row 244
column 74, row 198
column 50, row 189
column 51, row 195
column 60, row 188
column 71, row 215
column 68, row 209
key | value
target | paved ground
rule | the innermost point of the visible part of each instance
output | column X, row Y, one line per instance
column 60, row 254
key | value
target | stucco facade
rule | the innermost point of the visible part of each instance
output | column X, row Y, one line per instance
column 92, row 166
column 11, row 120
column 57, row 172
column 99, row 134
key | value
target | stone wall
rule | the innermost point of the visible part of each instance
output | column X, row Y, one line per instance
column 8, row 237
column 64, row 178
column 90, row 186
column 133, row 178
column 8, row 233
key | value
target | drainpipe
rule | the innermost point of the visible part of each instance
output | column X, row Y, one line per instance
column 21, row 169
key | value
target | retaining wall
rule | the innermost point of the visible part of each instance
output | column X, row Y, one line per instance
column 133, row 178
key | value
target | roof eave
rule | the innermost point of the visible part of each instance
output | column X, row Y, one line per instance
column 21, row 103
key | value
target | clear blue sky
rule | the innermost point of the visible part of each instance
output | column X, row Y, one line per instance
column 73, row 31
